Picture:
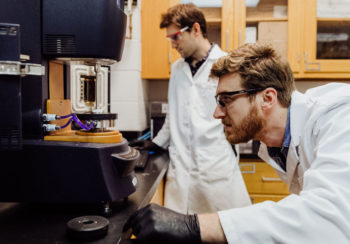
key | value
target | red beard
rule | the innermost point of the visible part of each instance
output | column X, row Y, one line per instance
column 247, row 130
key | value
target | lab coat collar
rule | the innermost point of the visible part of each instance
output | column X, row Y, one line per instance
column 216, row 53
column 264, row 155
column 297, row 118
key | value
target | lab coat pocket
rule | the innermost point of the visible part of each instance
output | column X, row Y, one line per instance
column 206, row 98
column 216, row 163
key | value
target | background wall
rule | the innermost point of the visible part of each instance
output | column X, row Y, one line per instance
column 129, row 93
column 158, row 90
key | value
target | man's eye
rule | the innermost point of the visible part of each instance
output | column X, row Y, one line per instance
column 225, row 99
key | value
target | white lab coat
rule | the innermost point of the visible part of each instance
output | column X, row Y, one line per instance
column 203, row 174
column 318, row 173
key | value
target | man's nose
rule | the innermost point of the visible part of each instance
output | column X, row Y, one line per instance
column 219, row 112
column 173, row 44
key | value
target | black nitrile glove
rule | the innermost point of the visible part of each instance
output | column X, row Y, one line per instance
column 146, row 145
column 156, row 224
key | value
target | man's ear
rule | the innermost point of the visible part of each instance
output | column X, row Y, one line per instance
column 196, row 28
column 269, row 99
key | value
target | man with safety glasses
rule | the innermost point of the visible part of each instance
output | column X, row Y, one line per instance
column 305, row 137
column 203, row 166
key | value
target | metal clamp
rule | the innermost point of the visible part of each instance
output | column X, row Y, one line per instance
column 22, row 69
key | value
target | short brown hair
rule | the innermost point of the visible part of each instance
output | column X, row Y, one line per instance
column 183, row 15
column 259, row 66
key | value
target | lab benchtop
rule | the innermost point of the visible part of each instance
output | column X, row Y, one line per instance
column 43, row 223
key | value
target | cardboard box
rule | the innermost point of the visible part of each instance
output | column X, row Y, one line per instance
column 276, row 34
column 250, row 34
column 280, row 47
column 268, row 9
column 273, row 30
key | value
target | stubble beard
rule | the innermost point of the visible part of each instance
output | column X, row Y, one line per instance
column 247, row 130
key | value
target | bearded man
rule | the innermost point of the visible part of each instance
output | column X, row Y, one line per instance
column 303, row 136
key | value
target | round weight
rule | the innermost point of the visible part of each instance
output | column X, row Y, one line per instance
column 87, row 227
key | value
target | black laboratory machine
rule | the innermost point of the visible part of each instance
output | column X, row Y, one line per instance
column 48, row 153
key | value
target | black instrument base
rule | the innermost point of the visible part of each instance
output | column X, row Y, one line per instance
column 64, row 172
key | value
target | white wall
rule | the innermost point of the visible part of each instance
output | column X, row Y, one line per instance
column 128, row 91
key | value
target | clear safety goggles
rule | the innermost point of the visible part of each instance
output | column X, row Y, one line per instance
column 177, row 35
column 223, row 98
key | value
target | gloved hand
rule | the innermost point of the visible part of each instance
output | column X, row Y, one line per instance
column 146, row 145
column 156, row 224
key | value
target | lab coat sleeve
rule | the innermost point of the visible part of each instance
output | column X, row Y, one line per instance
column 163, row 137
column 321, row 212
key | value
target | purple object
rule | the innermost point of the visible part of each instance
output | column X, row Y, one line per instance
column 75, row 118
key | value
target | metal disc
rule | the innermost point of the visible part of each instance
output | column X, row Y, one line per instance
column 87, row 227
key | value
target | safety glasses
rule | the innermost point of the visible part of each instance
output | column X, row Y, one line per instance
column 177, row 35
column 223, row 98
